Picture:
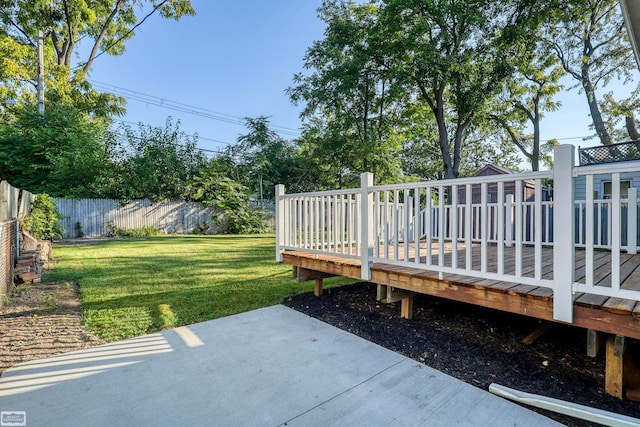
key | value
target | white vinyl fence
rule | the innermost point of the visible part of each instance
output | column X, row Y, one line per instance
column 95, row 215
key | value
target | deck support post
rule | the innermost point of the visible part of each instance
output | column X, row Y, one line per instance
column 563, row 233
column 614, row 369
column 406, row 308
column 622, row 376
column 595, row 339
column 366, row 223
column 632, row 221
column 317, row 288
column 280, row 223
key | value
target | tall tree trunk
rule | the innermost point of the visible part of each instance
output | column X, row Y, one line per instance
column 535, row 151
column 457, row 150
column 594, row 108
column 443, row 140
column 631, row 128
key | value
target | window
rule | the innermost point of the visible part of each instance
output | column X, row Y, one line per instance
column 624, row 189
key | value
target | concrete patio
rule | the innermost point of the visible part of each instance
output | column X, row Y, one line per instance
column 268, row 367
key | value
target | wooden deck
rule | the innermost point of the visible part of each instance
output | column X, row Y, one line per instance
column 598, row 313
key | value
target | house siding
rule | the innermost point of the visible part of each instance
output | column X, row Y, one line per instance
column 598, row 183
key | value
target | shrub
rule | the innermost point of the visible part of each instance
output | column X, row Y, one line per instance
column 202, row 228
column 146, row 231
column 243, row 221
column 231, row 198
column 43, row 222
column 79, row 231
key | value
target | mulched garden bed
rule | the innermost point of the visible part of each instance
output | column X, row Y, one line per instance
column 476, row 345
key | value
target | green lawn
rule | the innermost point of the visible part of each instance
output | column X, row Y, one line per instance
column 125, row 284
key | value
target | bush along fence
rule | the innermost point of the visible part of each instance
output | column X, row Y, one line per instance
column 105, row 217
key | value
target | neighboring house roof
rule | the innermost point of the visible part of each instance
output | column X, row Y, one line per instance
column 492, row 169
column 631, row 13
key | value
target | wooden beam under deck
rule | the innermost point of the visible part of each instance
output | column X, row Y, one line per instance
column 514, row 298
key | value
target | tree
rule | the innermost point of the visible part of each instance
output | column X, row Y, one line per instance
column 591, row 42
column 105, row 25
column 615, row 110
column 525, row 98
column 351, row 104
column 157, row 163
column 63, row 153
column 213, row 188
column 263, row 159
column 454, row 55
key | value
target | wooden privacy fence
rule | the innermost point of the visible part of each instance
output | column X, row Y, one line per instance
column 95, row 215
column 14, row 203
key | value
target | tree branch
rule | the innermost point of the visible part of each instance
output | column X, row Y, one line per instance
column 512, row 135
column 17, row 27
column 103, row 32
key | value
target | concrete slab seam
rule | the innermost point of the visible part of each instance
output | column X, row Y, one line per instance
column 343, row 392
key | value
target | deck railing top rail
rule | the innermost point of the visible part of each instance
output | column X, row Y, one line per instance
column 445, row 226
column 530, row 176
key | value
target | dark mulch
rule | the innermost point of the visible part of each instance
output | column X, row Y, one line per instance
column 476, row 345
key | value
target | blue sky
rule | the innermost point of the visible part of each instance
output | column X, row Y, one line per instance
column 235, row 59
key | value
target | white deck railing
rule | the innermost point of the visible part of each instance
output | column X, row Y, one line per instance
column 492, row 227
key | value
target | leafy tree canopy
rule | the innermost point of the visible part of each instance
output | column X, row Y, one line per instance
column 104, row 26
column 63, row 153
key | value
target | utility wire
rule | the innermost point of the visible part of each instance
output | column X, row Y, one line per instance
column 182, row 107
column 195, row 135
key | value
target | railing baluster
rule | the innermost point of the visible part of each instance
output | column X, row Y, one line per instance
column 484, row 223
column 454, row 226
column 416, row 225
column 386, row 225
column 407, row 232
column 537, row 215
column 441, row 226
column 614, row 235
column 509, row 221
column 467, row 233
column 280, row 222
column 632, row 221
column 396, row 225
column 349, row 224
column 376, row 223
column 322, row 224
column 518, row 234
column 428, row 221
column 501, row 225
column 589, row 229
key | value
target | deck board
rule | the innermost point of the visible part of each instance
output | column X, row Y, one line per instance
column 611, row 315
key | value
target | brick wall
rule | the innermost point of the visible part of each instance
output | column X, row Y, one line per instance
column 8, row 254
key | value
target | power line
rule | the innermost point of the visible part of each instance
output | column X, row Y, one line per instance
column 195, row 135
column 183, row 107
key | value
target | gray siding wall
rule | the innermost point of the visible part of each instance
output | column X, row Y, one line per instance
column 598, row 183
column 95, row 215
